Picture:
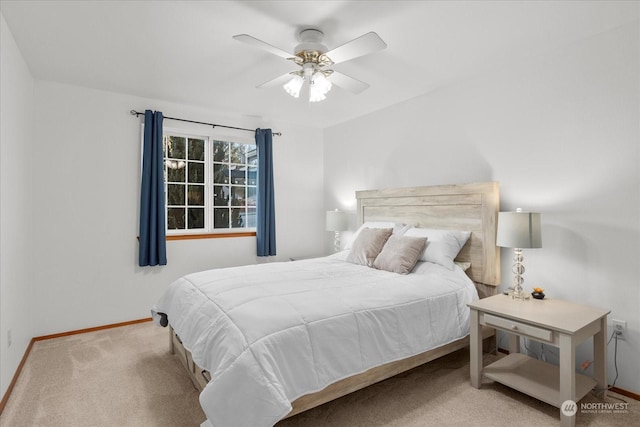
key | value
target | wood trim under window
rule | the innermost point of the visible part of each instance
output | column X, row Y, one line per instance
column 210, row 235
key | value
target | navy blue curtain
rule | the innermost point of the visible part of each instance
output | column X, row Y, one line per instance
column 153, row 245
column 266, row 227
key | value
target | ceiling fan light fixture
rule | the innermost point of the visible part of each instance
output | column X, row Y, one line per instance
column 320, row 81
column 319, row 86
column 315, row 96
column 294, row 85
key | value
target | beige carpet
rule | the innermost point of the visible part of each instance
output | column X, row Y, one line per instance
column 126, row 377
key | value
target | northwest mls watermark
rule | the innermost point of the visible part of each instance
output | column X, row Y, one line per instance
column 570, row 408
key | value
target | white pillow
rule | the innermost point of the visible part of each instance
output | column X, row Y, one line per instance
column 442, row 245
column 398, row 229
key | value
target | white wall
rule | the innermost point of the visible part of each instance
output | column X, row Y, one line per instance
column 86, row 168
column 16, row 219
column 560, row 133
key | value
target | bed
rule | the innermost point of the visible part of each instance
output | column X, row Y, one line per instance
column 269, row 341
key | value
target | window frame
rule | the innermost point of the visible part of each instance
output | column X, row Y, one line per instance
column 209, row 231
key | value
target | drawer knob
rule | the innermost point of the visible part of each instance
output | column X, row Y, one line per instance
column 514, row 327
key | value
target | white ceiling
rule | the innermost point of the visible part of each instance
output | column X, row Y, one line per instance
column 182, row 51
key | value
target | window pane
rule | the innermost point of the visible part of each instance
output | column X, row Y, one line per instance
column 175, row 194
column 251, row 218
column 220, row 195
column 252, row 196
column 220, row 174
column 196, row 172
column 196, row 195
column 175, row 218
column 196, row 149
column 252, row 175
column 220, row 151
column 196, row 218
column 238, row 175
column 237, row 217
column 221, row 218
column 238, row 153
column 175, row 171
column 175, row 147
column 252, row 154
column 237, row 196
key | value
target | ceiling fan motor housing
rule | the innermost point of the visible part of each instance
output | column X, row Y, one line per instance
column 311, row 49
column 311, row 39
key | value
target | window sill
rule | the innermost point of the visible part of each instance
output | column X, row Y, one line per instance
column 210, row 235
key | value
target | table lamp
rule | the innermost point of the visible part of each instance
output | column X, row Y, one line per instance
column 336, row 222
column 519, row 230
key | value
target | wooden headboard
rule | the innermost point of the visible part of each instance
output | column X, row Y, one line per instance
column 468, row 207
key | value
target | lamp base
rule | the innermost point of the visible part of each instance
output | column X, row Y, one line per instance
column 518, row 293
column 336, row 241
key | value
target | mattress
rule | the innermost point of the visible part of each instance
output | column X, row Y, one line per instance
column 270, row 333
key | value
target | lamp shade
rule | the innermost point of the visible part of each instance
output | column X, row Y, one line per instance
column 319, row 86
column 519, row 230
column 294, row 85
column 336, row 221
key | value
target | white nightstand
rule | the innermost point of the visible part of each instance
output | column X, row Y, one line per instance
column 560, row 323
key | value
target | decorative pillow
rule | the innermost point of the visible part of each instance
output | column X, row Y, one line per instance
column 397, row 227
column 368, row 245
column 442, row 245
column 400, row 254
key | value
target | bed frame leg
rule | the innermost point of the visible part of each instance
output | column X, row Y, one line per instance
column 171, row 345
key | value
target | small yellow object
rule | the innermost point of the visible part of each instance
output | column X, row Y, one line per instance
column 538, row 290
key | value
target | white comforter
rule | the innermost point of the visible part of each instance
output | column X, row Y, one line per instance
column 270, row 333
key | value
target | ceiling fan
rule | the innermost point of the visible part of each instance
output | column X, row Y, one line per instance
column 315, row 61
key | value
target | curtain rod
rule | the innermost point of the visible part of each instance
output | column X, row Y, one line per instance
column 137, row 113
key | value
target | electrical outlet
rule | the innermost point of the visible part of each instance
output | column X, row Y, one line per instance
column 9, row 338
column 620, row 329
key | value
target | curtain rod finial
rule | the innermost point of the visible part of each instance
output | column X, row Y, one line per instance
column 133, row 112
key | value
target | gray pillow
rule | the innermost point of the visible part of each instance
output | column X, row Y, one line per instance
column 400, row 254
column 368, row 245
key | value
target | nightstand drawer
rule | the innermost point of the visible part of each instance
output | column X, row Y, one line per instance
column 517, row 327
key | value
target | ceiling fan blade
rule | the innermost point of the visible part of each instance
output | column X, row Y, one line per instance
column 278, row 81
column 246, row 38
column 348, row 83
column 363, row 45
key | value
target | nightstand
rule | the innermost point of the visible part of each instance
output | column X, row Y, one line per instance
column 550, row 321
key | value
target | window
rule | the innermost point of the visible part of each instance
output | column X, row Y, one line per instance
column 210, row 184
